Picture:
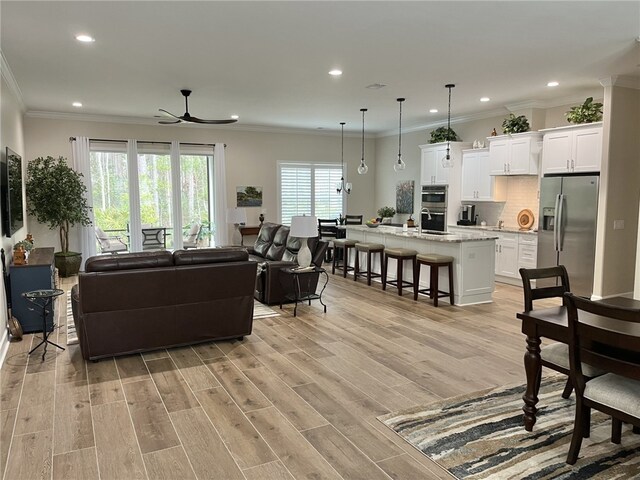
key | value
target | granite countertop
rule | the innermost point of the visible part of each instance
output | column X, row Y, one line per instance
column 494, row 228
column 415, row 233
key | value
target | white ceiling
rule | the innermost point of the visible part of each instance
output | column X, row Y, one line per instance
column 268, row 61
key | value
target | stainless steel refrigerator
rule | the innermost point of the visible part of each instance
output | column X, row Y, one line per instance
column 567, row 228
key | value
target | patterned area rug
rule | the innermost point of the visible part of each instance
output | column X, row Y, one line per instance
column 72, row 336
column 263, row 311
column 482, row 436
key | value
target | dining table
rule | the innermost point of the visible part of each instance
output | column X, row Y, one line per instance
column 552, row 323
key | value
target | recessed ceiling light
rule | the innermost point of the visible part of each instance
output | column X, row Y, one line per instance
column 552, row 84
column 77, row 104
column 376, row 86
column 433, row 110
column 485, row 99
column 335, row 72
column 235, row 117
column 85, row 38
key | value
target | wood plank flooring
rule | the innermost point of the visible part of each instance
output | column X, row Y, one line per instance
column 296, row 399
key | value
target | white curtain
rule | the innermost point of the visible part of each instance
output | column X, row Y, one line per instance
column 81, row 164
column 176, row 198
column 221, row 235
column 135, row 222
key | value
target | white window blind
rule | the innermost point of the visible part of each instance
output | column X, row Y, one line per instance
column 308, row 189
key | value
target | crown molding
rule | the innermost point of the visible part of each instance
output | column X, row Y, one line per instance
column 626, row 81
column 7, row 74
column 87, row 117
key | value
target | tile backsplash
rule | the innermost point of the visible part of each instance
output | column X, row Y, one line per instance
column 522, row 192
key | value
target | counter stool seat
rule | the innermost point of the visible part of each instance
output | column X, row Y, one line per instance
column 344, row 244
column 434, row 261
column 368, row 248
column 400, row 255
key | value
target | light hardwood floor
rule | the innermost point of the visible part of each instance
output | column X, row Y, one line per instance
column 296, row 399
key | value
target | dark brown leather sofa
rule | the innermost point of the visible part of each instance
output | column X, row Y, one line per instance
column 275, row 249
column 136, row 302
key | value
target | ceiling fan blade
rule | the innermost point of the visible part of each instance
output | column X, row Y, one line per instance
column 167, row 122
column 169, row 114
column 193, row 119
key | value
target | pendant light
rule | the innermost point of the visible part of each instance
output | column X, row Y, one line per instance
column 340, row 186
column 362, row 168
column 400, row 165
column 447, row 160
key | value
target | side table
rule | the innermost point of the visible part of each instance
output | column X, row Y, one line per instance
column 304, row 285
column 44, row 299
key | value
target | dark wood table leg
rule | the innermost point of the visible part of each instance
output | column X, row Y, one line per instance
column 533, row 369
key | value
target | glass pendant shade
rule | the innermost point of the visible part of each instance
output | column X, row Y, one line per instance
column 362, row 168
column 447, row 160
column 399, row 165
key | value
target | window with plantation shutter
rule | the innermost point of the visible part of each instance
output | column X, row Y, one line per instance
column 309, row 189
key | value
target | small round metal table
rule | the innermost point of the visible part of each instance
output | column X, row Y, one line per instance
column 44, row 299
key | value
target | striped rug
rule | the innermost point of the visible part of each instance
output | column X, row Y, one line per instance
column 481, row 436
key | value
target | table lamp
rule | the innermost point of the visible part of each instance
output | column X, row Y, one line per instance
column 304, row 227
column 236, row 216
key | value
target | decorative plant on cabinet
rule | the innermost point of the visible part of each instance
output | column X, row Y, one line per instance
column 588, row 112
column 514, row 124
column 56, row 196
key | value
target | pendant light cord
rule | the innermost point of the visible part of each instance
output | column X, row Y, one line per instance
column 449, row 86
column 400, row 100
column 342, row 154
column 362, row 159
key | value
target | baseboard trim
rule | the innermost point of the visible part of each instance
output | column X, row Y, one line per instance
column 4, row 346
column 624, row 294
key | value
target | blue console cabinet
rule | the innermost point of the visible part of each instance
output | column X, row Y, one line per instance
column 37, row 274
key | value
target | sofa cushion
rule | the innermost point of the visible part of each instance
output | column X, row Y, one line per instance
column 209, row 255
column 279, row 243
column 265, row 238
column 128, row 261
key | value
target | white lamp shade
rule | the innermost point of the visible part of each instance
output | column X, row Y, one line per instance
column 304, row 227
column 236, row 215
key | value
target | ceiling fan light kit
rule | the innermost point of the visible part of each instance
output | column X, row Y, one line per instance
column 188, row 118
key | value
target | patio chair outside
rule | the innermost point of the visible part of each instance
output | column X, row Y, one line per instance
column 110, row 243
column 191, row 239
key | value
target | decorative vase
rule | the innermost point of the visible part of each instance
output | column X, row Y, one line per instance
column 386, row 220
column 19, row 257
column 68, row 264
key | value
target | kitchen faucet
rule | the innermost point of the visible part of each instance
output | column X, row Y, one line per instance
column 426, row 210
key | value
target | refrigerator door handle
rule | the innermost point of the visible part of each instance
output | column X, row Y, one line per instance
column 559, row 225
column 556, row 220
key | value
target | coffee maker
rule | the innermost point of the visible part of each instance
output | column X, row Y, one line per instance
column 467, row 215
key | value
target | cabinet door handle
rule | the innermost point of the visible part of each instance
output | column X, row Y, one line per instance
column 500, row 248
column 496, row 248
column 572, row 165
column 567, row 164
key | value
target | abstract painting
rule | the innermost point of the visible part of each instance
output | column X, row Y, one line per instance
column 404, row 196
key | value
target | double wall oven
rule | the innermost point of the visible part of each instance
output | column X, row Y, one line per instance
column 433, row 216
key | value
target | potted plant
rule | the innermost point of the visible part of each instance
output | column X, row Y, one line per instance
column 442, row 134
column 514, row 124
column 385, row 213
column 56, row 196
column 588, row 112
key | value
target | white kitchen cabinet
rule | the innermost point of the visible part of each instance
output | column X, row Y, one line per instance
column 507, row 254
column 432, row 172
column 572, row 149
column 477, row 182
column 527, row 251
column 515, row 154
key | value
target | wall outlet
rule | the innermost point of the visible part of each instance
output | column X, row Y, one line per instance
column 618, row 224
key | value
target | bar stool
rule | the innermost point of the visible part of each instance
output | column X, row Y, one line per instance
column 369, row 248
column 400, row 255
column 434, row 261
column 345, row 244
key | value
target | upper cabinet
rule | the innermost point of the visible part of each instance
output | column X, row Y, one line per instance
column 515, row 154
column 432, row 171
column 572, row 149
column 477, row 182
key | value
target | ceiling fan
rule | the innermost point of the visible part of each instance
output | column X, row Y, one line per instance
column 187, row 118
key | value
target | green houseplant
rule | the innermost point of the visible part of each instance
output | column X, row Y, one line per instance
column 442, row 134
column 56, row 196
column 386, row 212
column 588, row 112
column 513, row 124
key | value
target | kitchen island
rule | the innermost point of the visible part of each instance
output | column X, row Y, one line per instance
column 473, row 253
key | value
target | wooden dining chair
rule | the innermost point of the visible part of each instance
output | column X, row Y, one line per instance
column 328, row 231
column 616, row 393
column 353, row 219
column 556, row 355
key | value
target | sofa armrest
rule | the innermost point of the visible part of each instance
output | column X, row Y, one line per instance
column 318, row 255
column 78, row 320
